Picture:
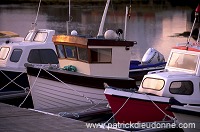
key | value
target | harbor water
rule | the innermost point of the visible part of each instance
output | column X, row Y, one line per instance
column 155, row 25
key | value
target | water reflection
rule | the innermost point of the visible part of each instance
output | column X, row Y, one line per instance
column 151, row 26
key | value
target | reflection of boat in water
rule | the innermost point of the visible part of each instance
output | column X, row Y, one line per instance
column 33, row 49
column 152, row 60
column 177, row 84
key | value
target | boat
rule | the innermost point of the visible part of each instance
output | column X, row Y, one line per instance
column 34, row 49
column 177, row 83
column 151, row 61
column 187, row 116
column 85, row 64
column 9, row 36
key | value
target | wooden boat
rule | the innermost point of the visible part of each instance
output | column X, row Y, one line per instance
column 95, row 61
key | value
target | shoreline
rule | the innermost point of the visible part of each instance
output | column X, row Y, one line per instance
column 63, row 2
column 192, row 3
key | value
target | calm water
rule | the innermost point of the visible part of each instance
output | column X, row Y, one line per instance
column 151, row 26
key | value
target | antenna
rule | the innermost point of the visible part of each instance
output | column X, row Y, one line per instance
column 67, row 23
column 35, row 23
column 197, row 11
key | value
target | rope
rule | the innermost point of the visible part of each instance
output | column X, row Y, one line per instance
column 170, row 117
column 31, row 88
column 77, row 114
column 12, row 81
column 82, row 95
column 118, row 110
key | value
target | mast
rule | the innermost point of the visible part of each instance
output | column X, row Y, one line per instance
column 197, row 11
column 125, row 26
column 67, row 23
column 100, row 33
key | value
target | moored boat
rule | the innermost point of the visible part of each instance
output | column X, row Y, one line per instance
column 177, row 84
column 33, row 49
column 95, row 61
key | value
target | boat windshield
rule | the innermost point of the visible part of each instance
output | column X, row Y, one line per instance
column 183, row 61
column 153, row 83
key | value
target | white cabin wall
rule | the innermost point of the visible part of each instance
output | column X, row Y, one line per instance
column 119, row 66
column 82, row 67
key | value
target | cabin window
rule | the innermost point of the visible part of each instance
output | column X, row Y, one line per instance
column 60, row 51
column 4, row 52
column 16, row 54
column 184, row 61
column 42, row 56
column 101, row 55
column 29, row 36
column 40, row 37
column 153, row 83
column 181, row 87
column 82, row 54
column 70, row 52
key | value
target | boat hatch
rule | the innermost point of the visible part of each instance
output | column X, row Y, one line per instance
column 183, row 61
column 37, row 36
column 4, row 52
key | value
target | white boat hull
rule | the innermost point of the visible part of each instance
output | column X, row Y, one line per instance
column 50, row 94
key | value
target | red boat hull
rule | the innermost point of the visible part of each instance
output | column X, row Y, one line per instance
column 137, row 110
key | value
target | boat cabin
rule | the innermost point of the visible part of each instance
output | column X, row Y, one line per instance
column 36, row 48
column 92, row 56
column 180, row 78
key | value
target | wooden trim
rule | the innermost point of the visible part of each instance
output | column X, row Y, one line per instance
column 69, row 39
column 80, row 41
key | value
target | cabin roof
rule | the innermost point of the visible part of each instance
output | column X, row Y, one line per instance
column 75, row 40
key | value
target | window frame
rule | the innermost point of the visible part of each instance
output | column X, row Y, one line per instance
column 19, row 56
column 4, row 58
column 153, row 88
column 178, row 89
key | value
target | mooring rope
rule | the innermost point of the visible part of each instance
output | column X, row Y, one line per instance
column 31, row 87
column 82, row 95
column 170, row 117
column 118, row 109
column 12, row 80
column 77, row 114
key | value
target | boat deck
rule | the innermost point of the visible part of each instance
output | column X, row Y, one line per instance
column 21, row 119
